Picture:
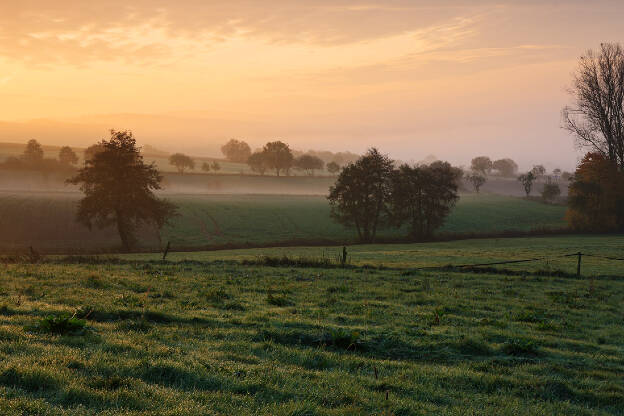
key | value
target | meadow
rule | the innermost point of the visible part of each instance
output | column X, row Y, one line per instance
column 223, row 333
column 45, row 220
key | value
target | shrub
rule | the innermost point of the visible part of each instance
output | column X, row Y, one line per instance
column 342, row 338
column 63, row 324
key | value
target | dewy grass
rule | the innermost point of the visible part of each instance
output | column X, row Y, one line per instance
column 198, row 338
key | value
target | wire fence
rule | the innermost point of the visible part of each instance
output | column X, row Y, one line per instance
column 579, row 255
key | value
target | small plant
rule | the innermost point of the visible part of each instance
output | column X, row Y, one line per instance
column 342, row 338
column 63, row 324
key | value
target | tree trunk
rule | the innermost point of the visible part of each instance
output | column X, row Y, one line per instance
column 124, row 232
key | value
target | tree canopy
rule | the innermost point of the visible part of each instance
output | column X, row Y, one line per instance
column 596, row 119
column 505, row 167
column 278, row 156
column 236, row 151
column 67, row 156
column 118, row 188
column 309, row 163
column 360, row 194
column 423, row 196
column 481, row 164
column 181, row 162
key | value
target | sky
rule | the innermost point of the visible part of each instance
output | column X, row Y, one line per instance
column 451, row 78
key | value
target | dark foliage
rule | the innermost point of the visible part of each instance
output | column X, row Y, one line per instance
column 423, row 197
column 359, row 196
column 118, row 189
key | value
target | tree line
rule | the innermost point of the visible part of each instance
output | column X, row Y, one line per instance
column 33, row 159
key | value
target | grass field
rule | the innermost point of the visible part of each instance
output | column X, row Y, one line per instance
column 198, row 338
column 46, row 221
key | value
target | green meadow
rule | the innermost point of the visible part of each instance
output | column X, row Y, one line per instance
column 46, row 221
column 222, row 333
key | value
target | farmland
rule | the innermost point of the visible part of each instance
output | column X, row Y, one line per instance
column 46, row 221
column 221, row 337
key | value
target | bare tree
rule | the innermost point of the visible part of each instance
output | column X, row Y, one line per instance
column 597, row 117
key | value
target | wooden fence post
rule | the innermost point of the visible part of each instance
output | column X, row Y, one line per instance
column 166, row 250
column 578, row 265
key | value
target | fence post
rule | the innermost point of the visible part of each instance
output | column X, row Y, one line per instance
column 578, row 265
column 166, row 250
column 343, row 260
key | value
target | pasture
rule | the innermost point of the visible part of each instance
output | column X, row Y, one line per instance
column 208, row 336
column 45, row 221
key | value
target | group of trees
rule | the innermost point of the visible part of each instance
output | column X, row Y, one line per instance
column 33, row 159
column 596, row 120
column 371, row 193
column 484, row 166
column 277, row 156
column 183, row 162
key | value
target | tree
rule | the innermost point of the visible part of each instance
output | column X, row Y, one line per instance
column 527, row 181
column 236, row 151
column 333, row 168
column 482, row 165
column 505, row 167
column 92, row 150
column 181, row 162
column 277, row 155
column 551, row 191
column 257, row 163
column 477, row 180
column 566, row 176
column 596, row 195
column 118, row 188
column 538, row 171
column 215, row 166
column 360, row 194
column 33, row 154
column 423, row 196
column 67, row 156
column 309, row 163
column 596, row 118
column 205, row 167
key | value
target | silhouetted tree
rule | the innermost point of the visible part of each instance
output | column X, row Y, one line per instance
column 236, row 151
column 482, row 165
column 92, row 150
column 596, row 195
column 67, row 156
column 477, row 180
column 333, row 168
column 215, row 166
column 309, row 163
column 277, row 155
column 360, row 194
column 566, row 176
column 205, row 167
column 118, row 189
column 257, row 163
column 527, row 181
column 181, row 162
column 597, row 117
column 538, row 171
column 505, row 167
column 423, row 196
column 33, row 154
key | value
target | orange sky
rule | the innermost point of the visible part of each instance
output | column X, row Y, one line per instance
column 453, row 78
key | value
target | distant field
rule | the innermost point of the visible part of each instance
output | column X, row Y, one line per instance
column 46, row 221
column 229, row 339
